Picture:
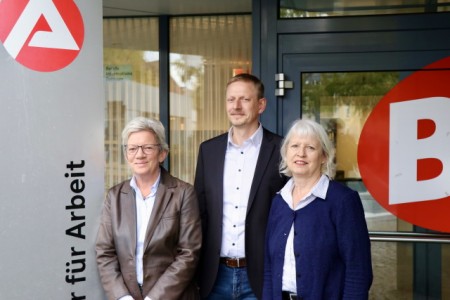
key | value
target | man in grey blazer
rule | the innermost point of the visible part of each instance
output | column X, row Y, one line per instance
column 236, row 179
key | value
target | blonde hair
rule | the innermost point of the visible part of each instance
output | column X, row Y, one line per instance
column 313, row 129
column 251, row 79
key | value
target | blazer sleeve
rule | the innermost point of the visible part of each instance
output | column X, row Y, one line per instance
column 107, row 260
column 200, row 185
column 354, row 247
column 268, row 277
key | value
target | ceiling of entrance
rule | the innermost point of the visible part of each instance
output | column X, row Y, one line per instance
column 116, row 8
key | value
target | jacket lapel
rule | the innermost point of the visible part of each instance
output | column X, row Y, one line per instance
column 163, row 197
column 265, row 153
column 129, row 214
column 217, row 167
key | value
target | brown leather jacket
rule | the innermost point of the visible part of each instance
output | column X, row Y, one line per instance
column 172, row 242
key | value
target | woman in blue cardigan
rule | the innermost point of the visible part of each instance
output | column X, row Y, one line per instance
column 317, row 242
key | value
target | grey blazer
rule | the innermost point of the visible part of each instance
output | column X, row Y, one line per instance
column 172, row 242
column 209, row 187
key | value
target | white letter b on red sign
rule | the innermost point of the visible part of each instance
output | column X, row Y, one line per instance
column 407, row 150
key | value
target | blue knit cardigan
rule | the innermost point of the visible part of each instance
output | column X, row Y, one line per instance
column 331, row 247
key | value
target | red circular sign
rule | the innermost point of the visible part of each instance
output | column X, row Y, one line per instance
column 404, row 148
column 42, row 35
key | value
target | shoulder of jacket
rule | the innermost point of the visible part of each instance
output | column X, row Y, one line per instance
column 122, row 186
column 216, row 139
column 337, row 190
column 271, row 135
column 171, row 181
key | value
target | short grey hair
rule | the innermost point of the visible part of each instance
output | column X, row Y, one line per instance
column 146, row 124
column 313, row 129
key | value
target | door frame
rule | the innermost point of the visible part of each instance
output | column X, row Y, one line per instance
column 343, row 44
column 269, row 51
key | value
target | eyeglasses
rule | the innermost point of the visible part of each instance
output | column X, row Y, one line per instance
column 147, row 148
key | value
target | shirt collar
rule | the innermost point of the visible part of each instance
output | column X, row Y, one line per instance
column 319, row 190
column 154, row 187
column 255, row 139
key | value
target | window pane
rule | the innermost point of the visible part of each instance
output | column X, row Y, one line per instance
column 399, row 270
column 205, row 52
column 333, row 8
column 342, row 102
column 131, row 70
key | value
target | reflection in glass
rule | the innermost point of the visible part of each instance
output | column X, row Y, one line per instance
column 206, row 51
column 131, row 73
column 332, row 8
column 405, row 271
column 392, row 271
column 342, row 102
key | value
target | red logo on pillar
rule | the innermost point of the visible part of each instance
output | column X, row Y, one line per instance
column 404, row 148
column 42, row 35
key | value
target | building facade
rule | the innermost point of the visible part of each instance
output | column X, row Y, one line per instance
column 338, row 62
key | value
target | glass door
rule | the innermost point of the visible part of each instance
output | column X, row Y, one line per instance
column 342, row 101
column 340, row 90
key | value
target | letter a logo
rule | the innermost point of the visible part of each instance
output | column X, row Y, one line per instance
column 43, row 35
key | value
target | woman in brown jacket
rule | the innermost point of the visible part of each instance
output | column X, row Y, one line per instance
column 149, row 238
